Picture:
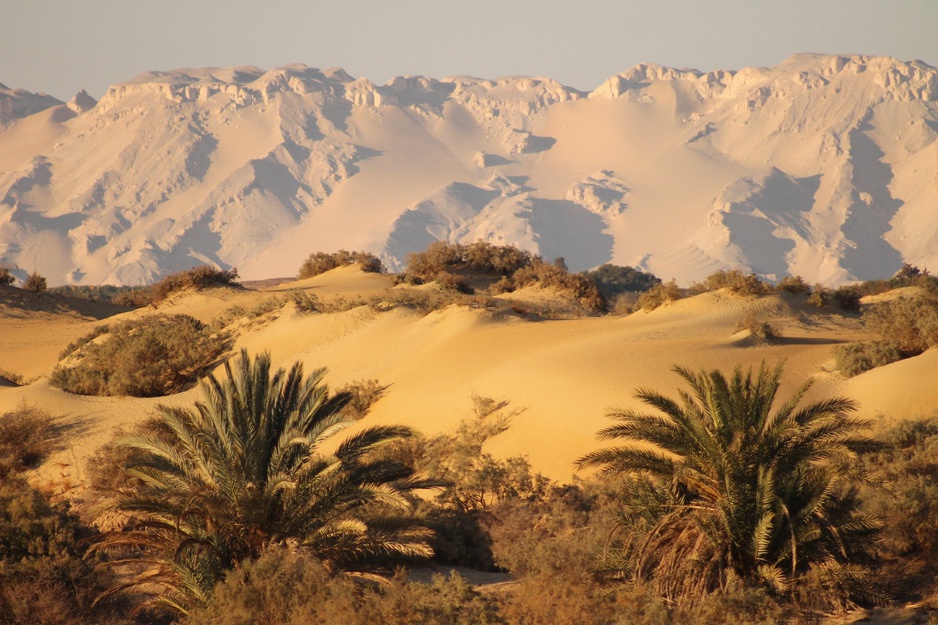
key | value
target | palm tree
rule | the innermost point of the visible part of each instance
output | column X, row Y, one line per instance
column 246, row 469
column 758, row 496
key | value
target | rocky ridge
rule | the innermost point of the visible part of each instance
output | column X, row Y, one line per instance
column 823, row 166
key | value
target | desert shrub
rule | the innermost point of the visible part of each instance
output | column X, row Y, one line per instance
column 439, row 256
column 855, row 358
column 147, row 357
column 306, row 302
column 288, row 588
column 471, row 481
column 35, row 283
column 820, row 296
column 793, row 284
column 27, row 436
column 46, row 576
column 910, row 324
column 908, row 275
column 659, row 294
column 363, row 394
column 908, row 465
column 759, row 328
column 613, row 280
column 735, row 281
column 6, row 277
column 583, row 290
column 104, row 293
column 321, row 262
column 452, row 282
column 847, row 298
column 503, row 260
column 197, row 278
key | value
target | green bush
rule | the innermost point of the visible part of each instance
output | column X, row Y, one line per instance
column 148, row 357
column 659, row 294
column 321, row 262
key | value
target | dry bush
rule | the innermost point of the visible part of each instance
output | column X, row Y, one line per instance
column 660, row 294
column 364, row 393
column 855, row 358
column 759, row 328
column 6, row 277
column 583, row 290
column 735, row 281
column 35, row 283
column 45, row 575
column 306, row 302
column 611, row 280
column 794, row 284
column 288, row 588
column 27, row 436
column 910, row 324
column 908, row 506
column 321, row 262
column 149, row 357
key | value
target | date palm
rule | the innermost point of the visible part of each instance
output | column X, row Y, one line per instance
column 756, row 495
column 253, row 465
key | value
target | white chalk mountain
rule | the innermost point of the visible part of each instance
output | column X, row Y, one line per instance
column 823, row 166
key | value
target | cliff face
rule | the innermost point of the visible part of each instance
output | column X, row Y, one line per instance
column 822, row 166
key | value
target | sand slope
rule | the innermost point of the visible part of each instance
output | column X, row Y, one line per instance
column 564, row 373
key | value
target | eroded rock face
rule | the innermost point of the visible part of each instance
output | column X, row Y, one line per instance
column 826, row 166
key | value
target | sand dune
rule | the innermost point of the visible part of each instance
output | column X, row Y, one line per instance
column 565, row 373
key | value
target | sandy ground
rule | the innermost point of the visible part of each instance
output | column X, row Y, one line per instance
column 563, row 375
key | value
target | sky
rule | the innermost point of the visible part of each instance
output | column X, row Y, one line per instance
column 62, row 46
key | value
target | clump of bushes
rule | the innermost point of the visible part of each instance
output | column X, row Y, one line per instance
column 846, row 298
column 906, row 327
column 793, row 284
column 149, row 357
column 759, row 328
column 35, row 283
column 45, row 574
column 908, row 275
column 735, row 281
column 659, row 294
column 287, row 587
column 27, row 436
column 583, row 290
column 198, row 278
column 6, row 277
column 613, row 280
column 321, row 262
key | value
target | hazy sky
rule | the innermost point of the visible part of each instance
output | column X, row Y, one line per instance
column 61, row 46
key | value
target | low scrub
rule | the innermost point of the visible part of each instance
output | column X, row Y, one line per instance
column 658, row 295
column 196, row 279
column 735, row 281
column 906, row 327
column 321, row 262
column 27, row 436
column 613, row 280
column 149, row 357
column 759, row 328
